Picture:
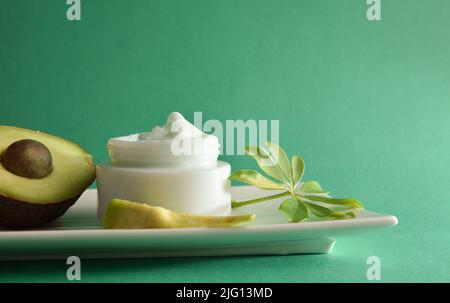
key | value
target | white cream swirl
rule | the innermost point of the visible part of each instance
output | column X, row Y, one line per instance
column 176, row 144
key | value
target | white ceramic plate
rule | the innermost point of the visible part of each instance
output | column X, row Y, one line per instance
column 79, row 233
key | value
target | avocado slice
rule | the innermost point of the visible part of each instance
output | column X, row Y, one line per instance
column 41, row 176
column 134, row 215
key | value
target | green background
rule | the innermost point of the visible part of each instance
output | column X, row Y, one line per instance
column 365, row 103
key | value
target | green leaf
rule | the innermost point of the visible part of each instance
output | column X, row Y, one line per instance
column 351, row 214
column 283, row 161
column 342, row 214
column 253, row 177
column 324, row 212
column 312, row 187
column 294, row 210
column 235, row 203
column 342, row 202
column 308, row 199
column 298, row 168
column 317, row 210
column 273, row 161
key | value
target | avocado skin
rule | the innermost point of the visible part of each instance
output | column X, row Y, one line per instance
column 17, row 214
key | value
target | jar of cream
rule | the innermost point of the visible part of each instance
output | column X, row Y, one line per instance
column 174, row 166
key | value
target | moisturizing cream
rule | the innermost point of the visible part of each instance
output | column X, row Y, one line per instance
column 174, row 166
column 176, row 144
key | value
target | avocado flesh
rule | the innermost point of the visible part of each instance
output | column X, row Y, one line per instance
column 134, row 215
column 27, row 202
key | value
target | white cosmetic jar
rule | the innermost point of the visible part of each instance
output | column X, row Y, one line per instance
column 130, row 152
column 197, row 190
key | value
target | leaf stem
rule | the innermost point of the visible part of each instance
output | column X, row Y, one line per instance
column 235, row 204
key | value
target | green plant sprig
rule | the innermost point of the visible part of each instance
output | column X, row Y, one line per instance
column 304, row 199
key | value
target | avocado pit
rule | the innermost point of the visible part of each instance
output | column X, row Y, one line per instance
column 27, row 158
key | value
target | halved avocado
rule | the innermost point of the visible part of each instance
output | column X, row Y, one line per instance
column 31, row 192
